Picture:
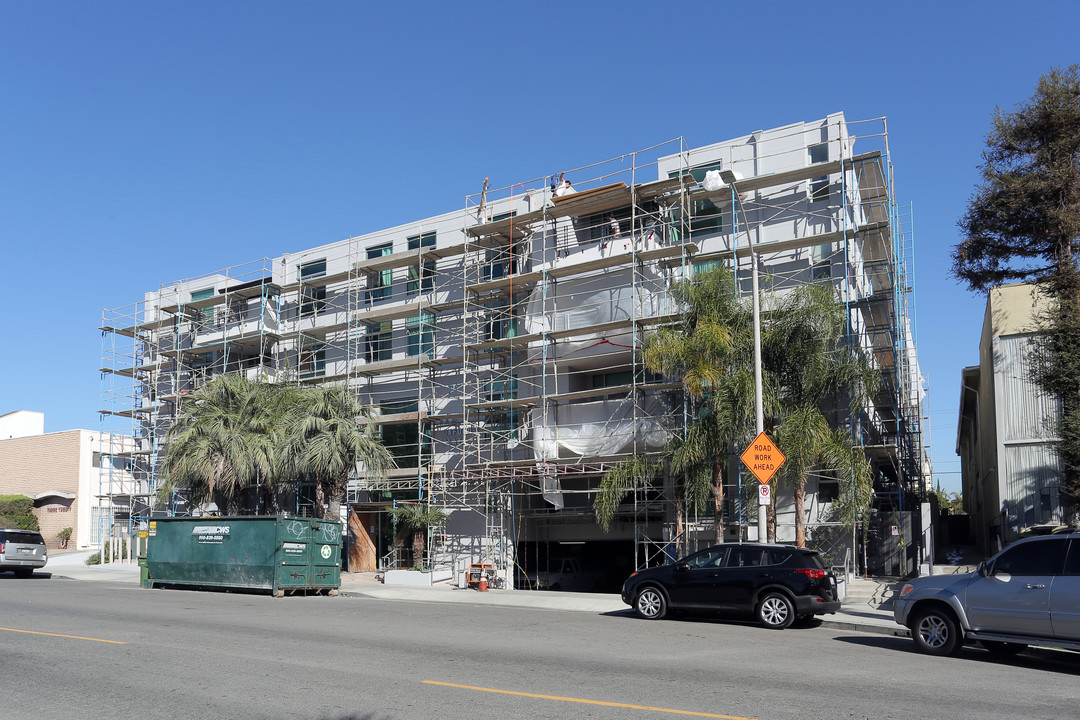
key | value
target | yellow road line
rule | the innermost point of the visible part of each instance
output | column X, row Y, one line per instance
column 73, row 637
column 586, row 702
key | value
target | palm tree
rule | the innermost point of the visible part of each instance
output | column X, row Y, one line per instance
column 416, row 519
column 225, row 443
column 701, row 351
column 807, row 371
column 329, row 433
column 813, row 372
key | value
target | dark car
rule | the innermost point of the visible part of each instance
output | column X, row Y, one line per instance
column 775, row 583
column 22, row 551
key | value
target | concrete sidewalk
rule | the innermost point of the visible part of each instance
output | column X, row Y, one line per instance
column 867, row 608
column 861, row 616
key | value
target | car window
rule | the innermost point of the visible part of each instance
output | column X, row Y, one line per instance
column 32, row 538
column 713, row 557
column 810, row 560
column 1072, row 562
column 1040, row 557
column 774, row 556
column 746, row 557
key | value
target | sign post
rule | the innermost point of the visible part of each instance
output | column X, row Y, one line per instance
column 763, row 459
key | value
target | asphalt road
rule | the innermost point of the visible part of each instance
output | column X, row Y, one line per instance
column 75, row 650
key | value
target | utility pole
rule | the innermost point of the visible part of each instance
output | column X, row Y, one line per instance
column 729, row 177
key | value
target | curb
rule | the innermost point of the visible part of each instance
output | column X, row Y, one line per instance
column 897, row 631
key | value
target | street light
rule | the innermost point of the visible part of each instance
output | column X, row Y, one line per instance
column 730, row 177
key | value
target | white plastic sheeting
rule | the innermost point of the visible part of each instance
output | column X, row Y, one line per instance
column 598, row 429
column 591, row 300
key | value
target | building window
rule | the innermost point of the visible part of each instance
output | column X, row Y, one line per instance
column 502, row 428
column 403, row 440
column 607, row 226
column 819, row 189
column 421, row 275
column 820, row 262
column 312, row 358
column 312, row 270
column 499, row 323
column 818, row 153
column 398, row 406
column 380, row 282
column 421, row 335
column 707, row 267
column 424, row 240
column 421, row 278
column 312, row 297
column 204, row 317
column 705, row 217
column 498, row 264
column 828, row 491
column 312, row 300
column 202, row 360
column 612, row 379
column 503, row 389
column 377, row 342
column 237, row 310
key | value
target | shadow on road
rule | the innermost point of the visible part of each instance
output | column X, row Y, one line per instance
column 37, row 575
column 1046, row 659
column 888, row 642
column 704, row 617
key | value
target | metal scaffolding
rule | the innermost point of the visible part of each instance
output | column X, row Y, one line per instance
column 501, row 345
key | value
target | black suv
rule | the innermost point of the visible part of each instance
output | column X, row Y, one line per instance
column 776, row 583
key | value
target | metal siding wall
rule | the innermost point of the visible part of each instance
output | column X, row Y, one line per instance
column 1031, row 481
column 1029, row 471
column 1023, row 410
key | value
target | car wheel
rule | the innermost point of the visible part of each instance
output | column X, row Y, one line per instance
column 1003, row 649
column 775, row 611
column 24, row 572
column 650, row 604
column 936, row 632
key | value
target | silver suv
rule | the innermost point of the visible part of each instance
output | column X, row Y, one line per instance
column 1027, row 594
column 22, row 551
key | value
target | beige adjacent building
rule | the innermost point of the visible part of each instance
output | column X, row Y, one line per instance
column 59, row 470
column 1005, row 432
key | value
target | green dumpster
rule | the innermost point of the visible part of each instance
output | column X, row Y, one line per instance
column 251, row 552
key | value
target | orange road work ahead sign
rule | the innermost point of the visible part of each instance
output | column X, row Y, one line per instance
column 763, row 458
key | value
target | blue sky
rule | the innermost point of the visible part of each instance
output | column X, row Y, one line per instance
column 142, row 143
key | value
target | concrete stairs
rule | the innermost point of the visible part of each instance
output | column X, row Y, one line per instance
column 872, row 593
column 881, row 593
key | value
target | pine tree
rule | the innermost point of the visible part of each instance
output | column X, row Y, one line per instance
column 1023, row 224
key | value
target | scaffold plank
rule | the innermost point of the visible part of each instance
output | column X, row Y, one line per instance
column 520, row 224
column 517, row 282
column 416, row 362
column 593, row 200
column 392, row 311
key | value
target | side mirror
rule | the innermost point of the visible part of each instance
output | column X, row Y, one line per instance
column 982, row 570
column 682, row 567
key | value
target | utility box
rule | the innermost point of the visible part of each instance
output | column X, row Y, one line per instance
column 250, row 552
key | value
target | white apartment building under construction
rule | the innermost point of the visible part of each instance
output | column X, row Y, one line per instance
column 501, row 343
